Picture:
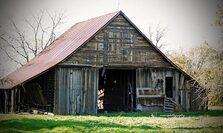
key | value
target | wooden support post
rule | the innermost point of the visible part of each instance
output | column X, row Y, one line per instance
column 177, row 86
column 85, row 90
column 96, row 91
column 19, row 104
column 140, row 78
column 181, row 96
column 181, row 81
column 164, row 83
column 12, row 101
column 15, row 97
column 187, row 101
column 6, row 101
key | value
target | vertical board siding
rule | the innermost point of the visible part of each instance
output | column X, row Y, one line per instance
column 77, row 91
column 147, row 92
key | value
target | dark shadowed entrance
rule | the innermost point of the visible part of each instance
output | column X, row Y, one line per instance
column 116, row 90
column 169, row 87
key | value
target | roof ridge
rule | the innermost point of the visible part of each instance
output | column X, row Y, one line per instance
column 116, row 12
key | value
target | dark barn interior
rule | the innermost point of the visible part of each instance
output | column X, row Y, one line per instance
column 116, row 90
column 169, row 87
column 38, row 93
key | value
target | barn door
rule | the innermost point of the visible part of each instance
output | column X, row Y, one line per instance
column 89, row 91
column 76, row 91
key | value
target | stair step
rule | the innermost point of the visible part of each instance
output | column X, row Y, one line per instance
column 168, row 111
column 167, row 102
column 165, row 107
column 169, row 106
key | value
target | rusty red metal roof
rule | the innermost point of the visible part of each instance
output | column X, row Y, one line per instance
column 65, row 45
column 60, row 49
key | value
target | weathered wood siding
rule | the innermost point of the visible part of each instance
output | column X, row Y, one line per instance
column 150, row 88
column 118, row 44
column 76, row 90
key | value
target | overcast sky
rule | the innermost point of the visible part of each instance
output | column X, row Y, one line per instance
column 188, row 22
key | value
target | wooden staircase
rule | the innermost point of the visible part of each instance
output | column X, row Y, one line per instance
column 169, row 105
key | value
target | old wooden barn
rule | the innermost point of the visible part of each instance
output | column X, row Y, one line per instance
column 101, row 64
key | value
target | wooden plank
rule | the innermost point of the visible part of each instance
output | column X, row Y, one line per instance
column 19, row 100
column 61, row 79
column 12, row 101
column 181, row 96
column 85, row 90
column 79, row 92
column 187, row 102
column 97, row 86
column 68, row 92
column 63, row 91
column 164, row 83
column 88, row 92
column 148, row 96
column 79, row 101
column 73, row 91
column 148, row 88
column 177, row 86
column 181, row 81
column 140, row 78
column 94, row 90
column 57, row 91
column 15, row 99
column 6, row 101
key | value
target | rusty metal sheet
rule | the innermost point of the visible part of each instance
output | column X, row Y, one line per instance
column 59, row 50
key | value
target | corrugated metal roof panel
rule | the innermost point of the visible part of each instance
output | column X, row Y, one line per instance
column 60, row 49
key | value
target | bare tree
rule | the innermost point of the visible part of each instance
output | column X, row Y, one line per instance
column 157, row 35
column 204, row 64
column 40, row 31
column 219, row 20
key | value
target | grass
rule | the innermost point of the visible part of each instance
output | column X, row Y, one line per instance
column 211, row 121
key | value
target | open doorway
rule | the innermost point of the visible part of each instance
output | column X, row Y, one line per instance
column 169, row 87
column 116, row 90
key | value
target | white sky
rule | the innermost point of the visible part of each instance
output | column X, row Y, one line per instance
column 188, row 22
